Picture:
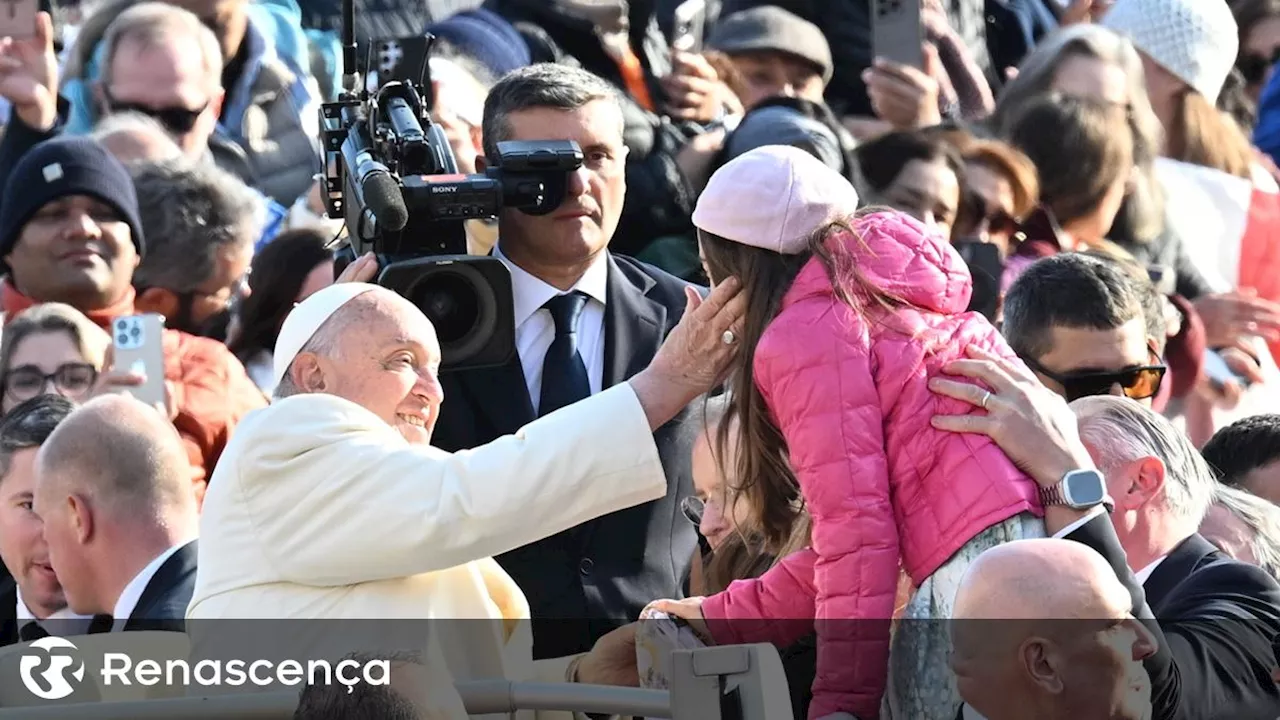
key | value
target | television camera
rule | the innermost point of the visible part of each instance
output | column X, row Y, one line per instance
column 392, row 177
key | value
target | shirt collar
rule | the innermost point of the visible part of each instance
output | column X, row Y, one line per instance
column 531, row 294
column 1145, row 573
column 132, row 592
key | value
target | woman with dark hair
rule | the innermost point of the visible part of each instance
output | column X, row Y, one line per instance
column 916, row 172
column 847, row 321
column 285, row 272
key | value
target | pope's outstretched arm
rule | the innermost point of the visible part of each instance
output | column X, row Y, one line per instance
column 334, row 504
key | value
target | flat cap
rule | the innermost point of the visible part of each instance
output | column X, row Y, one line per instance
column 769, row 28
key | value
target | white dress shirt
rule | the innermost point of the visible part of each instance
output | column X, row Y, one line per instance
column 132, row 592
column 535, row 329
column 67, row 620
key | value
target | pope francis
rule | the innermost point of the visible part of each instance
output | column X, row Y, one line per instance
column 331, row 505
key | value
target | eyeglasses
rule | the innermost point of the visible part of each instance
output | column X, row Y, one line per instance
column 996, row 221
column 1253, row 67
column 71, row 380
column 177, row 120
column 1137, row 383
column 693, row 509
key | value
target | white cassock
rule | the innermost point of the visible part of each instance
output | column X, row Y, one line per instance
column 320, row 510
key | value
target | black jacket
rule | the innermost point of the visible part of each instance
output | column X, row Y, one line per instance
column 588, row 580
column 1214, row 618
column 163, row 603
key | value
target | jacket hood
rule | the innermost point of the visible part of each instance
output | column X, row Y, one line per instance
column 900, row 256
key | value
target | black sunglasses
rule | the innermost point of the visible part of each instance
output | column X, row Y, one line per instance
column 998, row 222
column 1253, row 67
column 71, row 380
column 1137, row 383
column 178, row 121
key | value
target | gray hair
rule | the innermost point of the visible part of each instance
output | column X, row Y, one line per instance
column 1120, row 430
column 189, row 213
column 155, row 24
column 1263, row 520
column 1145, row 207
column 544, row 85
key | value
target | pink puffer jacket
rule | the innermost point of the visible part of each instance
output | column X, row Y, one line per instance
column 852, row 401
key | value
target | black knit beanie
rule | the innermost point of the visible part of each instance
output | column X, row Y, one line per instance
column 60, row 167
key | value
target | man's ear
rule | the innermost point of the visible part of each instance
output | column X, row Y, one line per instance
column 481, row 161
column 1147, row 480
column 157, row 300
column 81, row 515
column 216, row 101
column 477, row 139
column 1038, row 662
column 307, row 374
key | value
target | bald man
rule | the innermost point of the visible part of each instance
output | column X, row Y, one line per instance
column 113, row 489
column 332, row 504
column 1044, row 631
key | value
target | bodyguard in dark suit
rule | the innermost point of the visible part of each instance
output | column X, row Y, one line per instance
column 119, row 513
column 585, row 320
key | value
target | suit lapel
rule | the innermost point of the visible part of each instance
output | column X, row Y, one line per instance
column 170, row 573
column 1175, row 568
column 501, row 395
column 632, row 324
column 632, row 334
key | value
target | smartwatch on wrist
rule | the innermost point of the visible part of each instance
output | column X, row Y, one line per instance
column 1078, row 490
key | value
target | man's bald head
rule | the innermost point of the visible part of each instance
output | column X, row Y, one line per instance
column 121, row 454
column 377, row 350
column 1043, row 629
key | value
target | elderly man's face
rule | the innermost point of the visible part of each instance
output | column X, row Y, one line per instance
column 771, row 74
column 168, row 81
column 388, row 362
column 22, row 544
column 76, row 250
column 1102, row 674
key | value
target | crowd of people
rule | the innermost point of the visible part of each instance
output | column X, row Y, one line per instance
column 956, row 383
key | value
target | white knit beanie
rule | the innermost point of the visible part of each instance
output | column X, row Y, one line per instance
column 1196, row 40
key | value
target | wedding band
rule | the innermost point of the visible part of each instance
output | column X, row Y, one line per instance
column 985, row 397
column 728, row 338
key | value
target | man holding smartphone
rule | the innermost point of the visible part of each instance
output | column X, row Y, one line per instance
column 70, row 233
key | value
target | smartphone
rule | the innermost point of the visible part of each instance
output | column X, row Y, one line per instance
column 897, row 33
column 1219, row 373
column 689, row 26
column 18, row 18
column 986, row 267
column 138, row 346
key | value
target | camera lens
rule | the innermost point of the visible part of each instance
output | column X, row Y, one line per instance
column 450, row 302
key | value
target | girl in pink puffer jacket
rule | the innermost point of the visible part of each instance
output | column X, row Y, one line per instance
column 845, row 325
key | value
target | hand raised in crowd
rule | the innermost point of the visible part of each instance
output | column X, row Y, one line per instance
column 29, row 75
column 113, row 380
column 1032, row 424
column 694, row 90
column 612, row 660
column 905, row 96
column 363, row 269
column 1229, row 316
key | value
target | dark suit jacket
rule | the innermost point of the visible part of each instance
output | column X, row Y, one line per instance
column 163, row 603
column 588, row 580
column 9, row 616
column 1215, row 621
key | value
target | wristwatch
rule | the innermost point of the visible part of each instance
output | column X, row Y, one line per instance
column 1078, row 490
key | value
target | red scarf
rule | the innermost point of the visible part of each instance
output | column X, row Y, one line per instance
column 13, row 302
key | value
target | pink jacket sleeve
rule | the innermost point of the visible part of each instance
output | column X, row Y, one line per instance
column 819, row 385
column 775, row 608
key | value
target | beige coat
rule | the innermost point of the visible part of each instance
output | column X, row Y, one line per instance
column 319, row 510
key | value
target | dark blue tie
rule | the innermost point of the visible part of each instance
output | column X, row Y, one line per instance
column 564, row 375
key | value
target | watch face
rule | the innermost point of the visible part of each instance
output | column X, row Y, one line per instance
column 1084, row 488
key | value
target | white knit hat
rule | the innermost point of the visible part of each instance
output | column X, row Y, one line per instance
column 1196, row 40
column 306, row 318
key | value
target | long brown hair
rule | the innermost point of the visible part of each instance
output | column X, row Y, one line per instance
column 763, row 470
column 1201, row 134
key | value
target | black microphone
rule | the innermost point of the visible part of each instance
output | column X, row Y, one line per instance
column 381, row 193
